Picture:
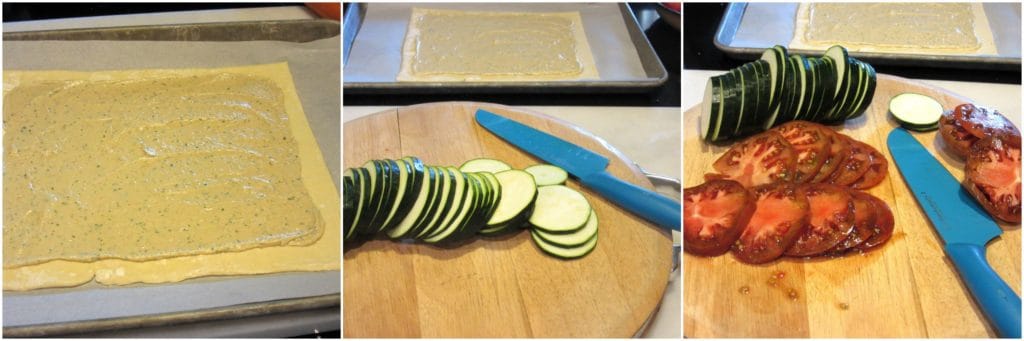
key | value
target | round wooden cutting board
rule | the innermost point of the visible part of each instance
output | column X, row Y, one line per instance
column 497, row 287
column 907, row 288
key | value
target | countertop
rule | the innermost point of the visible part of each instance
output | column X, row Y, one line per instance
column 649, row 136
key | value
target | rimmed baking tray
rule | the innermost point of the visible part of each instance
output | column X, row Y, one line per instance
column 747, row 29
column 374, row 34
column 259, row 305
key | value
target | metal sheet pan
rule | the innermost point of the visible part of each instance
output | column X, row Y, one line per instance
column 747, row 29
column 261, row 305
column 612, row 45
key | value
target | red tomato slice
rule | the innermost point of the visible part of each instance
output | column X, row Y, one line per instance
column 780, row 217
column 854, row 166
column 877, row 170
column 884, row 224
column 993, row 177
column 863, row 222
column 811, row 145
column 761, row 159
column 714, row 214
column 954, row 136
column 983, row 122
column 831, row 220
column 839, row 150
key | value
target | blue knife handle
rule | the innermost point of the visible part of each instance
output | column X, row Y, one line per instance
column 643, row 202
column 997, row 301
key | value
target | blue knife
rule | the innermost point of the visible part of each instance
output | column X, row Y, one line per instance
column 588, row 167
column 964, row 227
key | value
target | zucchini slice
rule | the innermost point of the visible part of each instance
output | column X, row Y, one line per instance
column 546, row 175
column 575, row 238
column 841, row 58
column 564, row 252
column 712, row 109
column 916, row 111
column 559, row 209
column 518, row 193
column 484, row 165
column 419, row 206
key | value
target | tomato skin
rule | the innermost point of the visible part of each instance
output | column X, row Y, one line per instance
column 883, row 227
column 993, row 175
column 830, row 220
column 839, row 150
column 811, row 144
column 863, row 222
column 761, row 159
column 878, row 168
column 779, row 218
column 854, row 166
column 729, row 203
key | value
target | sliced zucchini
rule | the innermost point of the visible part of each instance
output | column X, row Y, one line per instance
column 916, row 111
column 484, row 165
column 712, row 110
column 465, row 201
column 564, row 252
column 546, row 175
column 518, row 193
column 419, row 206
column 841, row 58
column 559, row 209
column 574, row 238
column 445, row 204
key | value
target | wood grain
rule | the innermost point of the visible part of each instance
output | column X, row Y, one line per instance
column 908, row 288
column 497, row 287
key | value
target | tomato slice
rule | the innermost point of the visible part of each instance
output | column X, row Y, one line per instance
column 993, row 177
column 854, row 166
column 877, row 170
column 811, row 145
column 831, row 220
column 779, row 218
column 863, row 222
column 714, row 214
column 761, row 159
column 839, row 150
column 884, row 224
column 983, row 122
column 954, row 136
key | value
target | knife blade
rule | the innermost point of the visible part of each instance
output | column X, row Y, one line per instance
column 964, row 227
column 588, row 167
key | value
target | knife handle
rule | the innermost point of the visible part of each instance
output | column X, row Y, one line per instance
column 997, row 301
column 643, row 202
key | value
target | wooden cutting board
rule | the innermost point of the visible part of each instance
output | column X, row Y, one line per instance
column 502, row 287
column 907, row 288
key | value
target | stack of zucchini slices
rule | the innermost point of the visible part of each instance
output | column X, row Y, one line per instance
column 407, row 200
column 779, row 88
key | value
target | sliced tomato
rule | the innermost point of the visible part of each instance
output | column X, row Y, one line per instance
column 811, row 144
column 877, row 170
column 854, row 166
column 984, row 122
column 761, row 159
column 884, row 224
column 831, row 220
column 993, row 177
column 954, row 136
column 779, row 218
column 863, row 222
column 714, row 214
column 839, row 150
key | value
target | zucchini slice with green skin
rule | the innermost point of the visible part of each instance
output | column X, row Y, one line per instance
column 571, row 239
column 559, row 209
column 777, row 63
column 484, row 165
column 546, row 175
column 361, row 184
column 374, row 197
column 495, row 186
column 419, row 206
column 465, row 201
column 564, row 252
column 712, row 109
column 518, row 193
column 841, row 58
column 871, row 81
column 350, row 200
column 401, row 175
column 916, row 111
column 731, row 104
column 445, row 204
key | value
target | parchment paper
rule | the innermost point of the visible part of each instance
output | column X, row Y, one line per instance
column 767, row 24
column 316, row 74
column 376, row 54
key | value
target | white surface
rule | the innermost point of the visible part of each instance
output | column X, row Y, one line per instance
column 167, row 18
column 1004, row 97
column 650, row 137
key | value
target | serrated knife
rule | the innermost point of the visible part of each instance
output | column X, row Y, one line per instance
column 964, row 227
column 587, row 167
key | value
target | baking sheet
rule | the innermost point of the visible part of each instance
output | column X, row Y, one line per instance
column 315, row 71
column 376, row 53
column 749, row 28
